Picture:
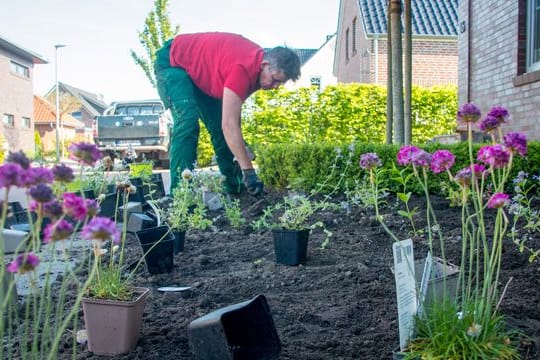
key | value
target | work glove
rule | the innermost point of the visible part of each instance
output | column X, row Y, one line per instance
column 251, row 181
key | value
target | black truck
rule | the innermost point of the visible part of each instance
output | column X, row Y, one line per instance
column 132, row 129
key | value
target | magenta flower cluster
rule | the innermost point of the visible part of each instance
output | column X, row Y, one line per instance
column 101, row 229
column 23, row 263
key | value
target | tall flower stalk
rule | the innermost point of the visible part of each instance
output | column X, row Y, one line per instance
column 484, row 226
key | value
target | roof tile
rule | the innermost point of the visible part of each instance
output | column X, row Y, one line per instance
column 428, row 17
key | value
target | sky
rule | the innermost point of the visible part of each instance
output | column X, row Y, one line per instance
column 98, row 35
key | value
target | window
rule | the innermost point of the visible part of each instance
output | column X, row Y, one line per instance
column 8, row 120
column 20, row 70
column 26, row 122
column 347, row 40
column 77, row 115
column 354, row 36
column 533, row 35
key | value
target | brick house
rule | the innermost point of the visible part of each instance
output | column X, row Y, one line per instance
column 16, row 89
column 499, row 61
column 91, row 105
column 45, row 124
column 361, row 47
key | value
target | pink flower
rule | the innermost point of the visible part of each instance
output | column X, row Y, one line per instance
column 405, row 154
column 464, row 176
column 369, row 161
column 74, row 206
column 496, row 155
column 60, row 230
column 101, row 229
column 23, row 263
column 516, row 142
column 498, row 200
column 442, row 160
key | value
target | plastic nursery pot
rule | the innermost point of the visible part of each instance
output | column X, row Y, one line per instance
column 243, row 331
column 158, row 248
column 179, row 241
column 113, row 327
column 290, row 246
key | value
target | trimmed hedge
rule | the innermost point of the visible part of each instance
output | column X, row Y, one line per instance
column 328, row 167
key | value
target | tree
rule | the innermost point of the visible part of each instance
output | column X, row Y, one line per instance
column 157, row 30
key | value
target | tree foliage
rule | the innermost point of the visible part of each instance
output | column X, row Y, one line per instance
column 156, row 31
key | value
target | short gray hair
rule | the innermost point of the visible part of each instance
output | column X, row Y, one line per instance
column 284, row 59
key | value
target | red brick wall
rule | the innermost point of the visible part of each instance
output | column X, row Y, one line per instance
column 16, row 99
column 490, row 63
column 435, row 62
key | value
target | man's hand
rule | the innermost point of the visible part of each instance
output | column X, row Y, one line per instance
column 254, row 186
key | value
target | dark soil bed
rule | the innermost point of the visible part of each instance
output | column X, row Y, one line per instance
column 340, row 305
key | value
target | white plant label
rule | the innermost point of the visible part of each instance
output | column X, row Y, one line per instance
column 426, row 276
column 405, row 289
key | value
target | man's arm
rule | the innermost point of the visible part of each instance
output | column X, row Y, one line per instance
column 232, row 107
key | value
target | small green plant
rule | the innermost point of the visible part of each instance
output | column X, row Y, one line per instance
column 524, row 214
column 233, row 212
column 403, row 178
column 187, row 209
column 294, row 212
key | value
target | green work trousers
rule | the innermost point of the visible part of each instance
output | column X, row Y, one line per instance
column 188, row 104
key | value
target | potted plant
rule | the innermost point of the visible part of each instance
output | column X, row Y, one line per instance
column 291, row 221
column 112, row 306
column 186, row 210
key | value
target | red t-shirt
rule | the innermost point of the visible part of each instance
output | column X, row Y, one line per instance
column 217, row 60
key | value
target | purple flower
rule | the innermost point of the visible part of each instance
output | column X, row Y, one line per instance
column 60, row 230
column 468, row 113
column 74, row 206
column 464, row 176
column 101, row 229
column 500, row 113
column 23, row 263
column 36, row 175
column 498, row 200
column 63, row 173
column 495, row 155
column 516, row 142
column 369, row 161
column 405, row 154
column 19, row 158
column 85, row 153
column 52, row 209
column 489, row 124
column 442, row 160
column 92, row 207
column 41, row 193
column 10, row 175
column 421, row 158
column 479, row 170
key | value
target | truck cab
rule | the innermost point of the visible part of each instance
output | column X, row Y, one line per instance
column 134, row 127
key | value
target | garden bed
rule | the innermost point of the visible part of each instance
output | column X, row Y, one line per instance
column 340, row 305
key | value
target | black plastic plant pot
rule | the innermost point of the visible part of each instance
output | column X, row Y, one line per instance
column 158, row 248
column 179, row 240
column 290, row 246
column 244, row 331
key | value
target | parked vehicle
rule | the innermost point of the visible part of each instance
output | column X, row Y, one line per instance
column 135, row 130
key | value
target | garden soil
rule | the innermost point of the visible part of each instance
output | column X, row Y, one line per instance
column 340, row 305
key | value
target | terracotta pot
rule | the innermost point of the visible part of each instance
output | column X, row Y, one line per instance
column 290, row 246
column 113, row 327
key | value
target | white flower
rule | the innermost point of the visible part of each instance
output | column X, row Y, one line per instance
column 474, row 330
column 187, row 174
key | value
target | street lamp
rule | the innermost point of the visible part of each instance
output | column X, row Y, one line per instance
column 56, row 47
